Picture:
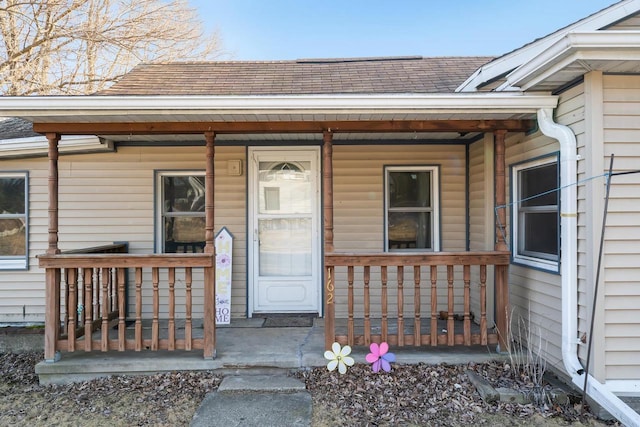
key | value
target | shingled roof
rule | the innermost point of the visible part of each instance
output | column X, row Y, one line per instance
column 14, row 127
column 305, row 76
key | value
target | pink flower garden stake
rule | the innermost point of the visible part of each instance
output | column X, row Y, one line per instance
column 380, row 357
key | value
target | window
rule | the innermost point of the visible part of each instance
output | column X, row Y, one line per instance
column 13, row 220
column 536, row 221
column 412, row 221
column 181, row 222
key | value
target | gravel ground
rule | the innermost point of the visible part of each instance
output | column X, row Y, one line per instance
column 412, row 395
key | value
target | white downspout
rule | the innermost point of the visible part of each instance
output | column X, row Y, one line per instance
column 568, row 270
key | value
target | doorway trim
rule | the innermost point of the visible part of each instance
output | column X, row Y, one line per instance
column 282, row 154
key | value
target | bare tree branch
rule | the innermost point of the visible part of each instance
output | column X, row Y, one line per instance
column 82, row 46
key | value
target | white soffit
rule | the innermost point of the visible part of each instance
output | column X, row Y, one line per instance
column 510, row 61
column 576, row 54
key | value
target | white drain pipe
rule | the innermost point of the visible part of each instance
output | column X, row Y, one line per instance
column 569, row 268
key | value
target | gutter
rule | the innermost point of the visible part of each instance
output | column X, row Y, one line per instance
column 568, row 270
column 122, row 106
column 37, row 146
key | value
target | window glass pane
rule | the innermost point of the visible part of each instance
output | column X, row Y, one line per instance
column 539, row 180
column 285, row 188
column 184, row 234
column 183, row 193
column 12, row 191
column 540, row 232
column 409, row 230
column 285, row 246
column 409, row 189
column 13, row 238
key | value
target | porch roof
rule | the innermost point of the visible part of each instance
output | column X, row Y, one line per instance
column 183, row 118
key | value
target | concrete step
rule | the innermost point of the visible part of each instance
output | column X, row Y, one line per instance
column 256, row 400
column 260, row 383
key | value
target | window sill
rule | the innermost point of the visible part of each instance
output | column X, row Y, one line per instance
column 13, row 265
column 537, row 264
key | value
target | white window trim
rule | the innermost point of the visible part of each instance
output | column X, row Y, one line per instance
column 159, row 239
column 18, row 262
column 518, row 258
column 435, row 197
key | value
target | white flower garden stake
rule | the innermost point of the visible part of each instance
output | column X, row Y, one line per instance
column 339, row 358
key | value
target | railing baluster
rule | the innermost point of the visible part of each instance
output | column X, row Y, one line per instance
column 434, row 305
column 88, row 306
column 367, row 305
column 467, row 304
column 155, row 332
column 121, row 309
column 187, row 324
column 450, row 307
column 172, row 309
column 113, row 290
column 72, row 304
column 417, row 334
column 383, row 300
column 400, row 277
column 105, row 310
column 138, row 328
column 350, row 331
column 65, row 327
column 96, row 296
column 483, row 304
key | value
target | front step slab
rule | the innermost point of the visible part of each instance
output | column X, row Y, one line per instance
column 259, row 409
column 260, row 383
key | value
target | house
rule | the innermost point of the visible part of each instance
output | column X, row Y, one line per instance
column 409, row 200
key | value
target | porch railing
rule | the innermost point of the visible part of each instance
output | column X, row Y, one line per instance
column 94, row 285
column 414, row 300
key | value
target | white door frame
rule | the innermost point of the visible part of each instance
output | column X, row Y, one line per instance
column 305, row 153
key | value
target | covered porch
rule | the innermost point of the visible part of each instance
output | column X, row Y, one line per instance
column 409, row 299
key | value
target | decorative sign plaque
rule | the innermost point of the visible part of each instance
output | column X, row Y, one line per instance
column 224, row 249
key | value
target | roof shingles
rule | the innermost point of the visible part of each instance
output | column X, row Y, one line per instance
column 302, row 77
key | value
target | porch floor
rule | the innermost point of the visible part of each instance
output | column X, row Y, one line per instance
column 244, row 344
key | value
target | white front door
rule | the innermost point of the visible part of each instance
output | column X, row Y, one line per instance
column 284, row 230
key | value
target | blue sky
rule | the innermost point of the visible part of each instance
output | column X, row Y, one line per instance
column 280, row 29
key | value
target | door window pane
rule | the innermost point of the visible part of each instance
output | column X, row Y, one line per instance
column 285, row 188
column 285, row 246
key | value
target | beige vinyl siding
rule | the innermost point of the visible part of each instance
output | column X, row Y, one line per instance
column 110, row 197
column 535, row 295
column 619, row 279
column 359, row 193
column 359, row 214
column 631, row 23
column 22, row 292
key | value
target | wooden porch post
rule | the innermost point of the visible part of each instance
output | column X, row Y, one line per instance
column 327, row 177
column 501, row 271
column 209, row 272
column 52, row 275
